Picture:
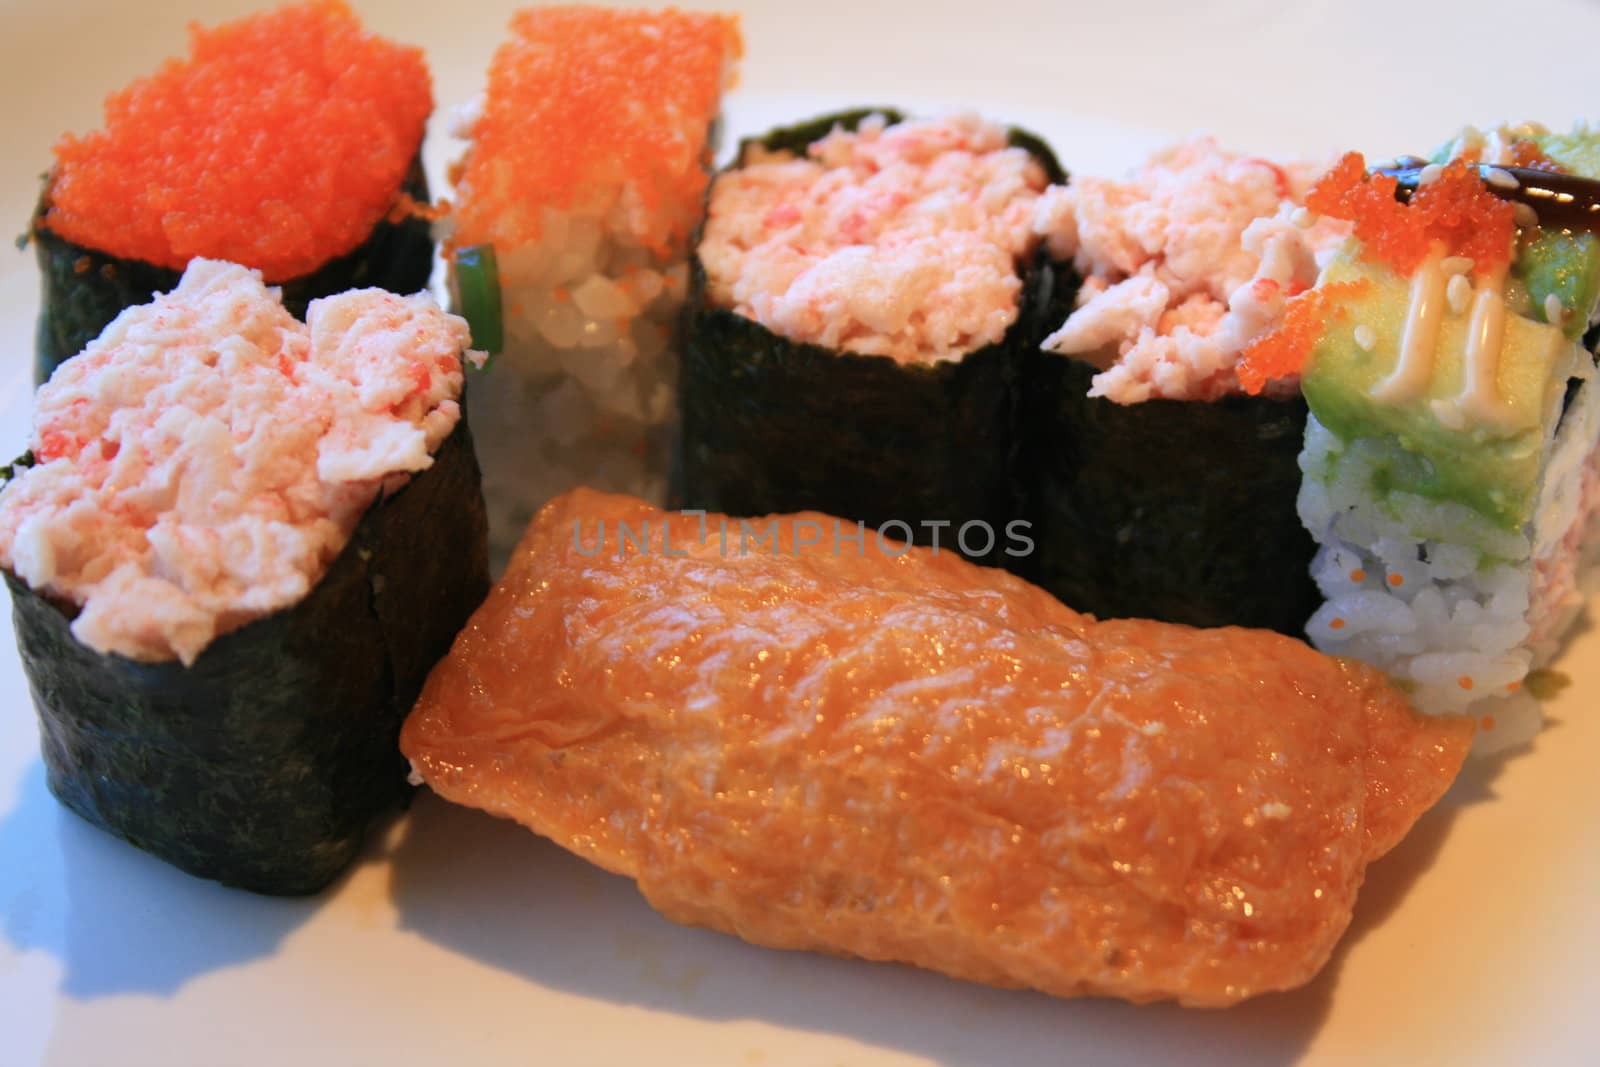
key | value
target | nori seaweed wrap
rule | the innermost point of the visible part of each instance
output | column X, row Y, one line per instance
column 1179, row 510
column 773, row 425
column 84, row 289
column 262, row 763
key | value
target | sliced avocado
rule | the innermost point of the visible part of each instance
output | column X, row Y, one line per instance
column 1553, row 261
column 1491, row 468
column 1564, row 265
column 1577, row 152
column 1558, row 261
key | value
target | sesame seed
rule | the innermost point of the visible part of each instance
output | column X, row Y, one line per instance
column 1276, row 809
column 1430, row 174
column 1302, row 217
column 1552, row 309
column 1449, row 414
column 1525, row 216
column 1365, row 337
column 1456, row 264
column 1501, row 179
column 1459, row 293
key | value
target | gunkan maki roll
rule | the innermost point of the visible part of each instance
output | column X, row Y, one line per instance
column 1156, row 485
column 863, row 292
column 235, row 549
column 288, row 141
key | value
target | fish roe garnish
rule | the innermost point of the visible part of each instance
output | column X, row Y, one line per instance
column 582, row 100
column 1464, row 682
column 1528, row 155
column 1335, row 624
column 1512, row 687
column 1283, row 352
column 1488, row 722
column 1358, row 575
column 280, row 143
column 1457, row 211
column 1397, row 580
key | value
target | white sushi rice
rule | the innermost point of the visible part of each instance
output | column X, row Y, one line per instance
column 1457, row 610
column 584, row 390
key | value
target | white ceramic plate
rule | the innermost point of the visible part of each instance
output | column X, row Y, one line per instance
column 461, row 939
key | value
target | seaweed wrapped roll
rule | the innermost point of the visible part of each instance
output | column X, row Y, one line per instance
column 864, row 290
column 288, row 141
column 583, row 180
column 235, row 549
column 1157, row 485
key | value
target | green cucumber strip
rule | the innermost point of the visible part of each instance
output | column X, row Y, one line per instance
column 478, row 285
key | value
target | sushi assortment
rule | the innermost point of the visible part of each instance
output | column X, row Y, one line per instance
column 250, row 546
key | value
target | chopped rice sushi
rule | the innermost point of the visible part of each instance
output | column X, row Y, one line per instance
column 584, row 177
column 865, row 287
column 898, row 755
column 1452, row 458
column 288, row 141
column 235, row 548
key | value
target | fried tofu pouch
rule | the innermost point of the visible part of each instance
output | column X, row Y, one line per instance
column 909, row 757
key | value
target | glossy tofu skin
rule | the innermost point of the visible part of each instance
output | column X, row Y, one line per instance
column 900, row 755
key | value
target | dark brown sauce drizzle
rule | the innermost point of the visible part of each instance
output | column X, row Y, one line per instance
column 1562, row 201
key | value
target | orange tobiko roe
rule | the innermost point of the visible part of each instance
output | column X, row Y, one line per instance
column 583, row 101
column 1457, row 212
column 1528, row 154
column 280, row 143
column 1454, row 215
column 1283, row 352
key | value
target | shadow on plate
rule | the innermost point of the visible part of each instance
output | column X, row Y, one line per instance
column 507, row 898
column 119, row 920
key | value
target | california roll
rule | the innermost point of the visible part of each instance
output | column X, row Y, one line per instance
column 1452, row 458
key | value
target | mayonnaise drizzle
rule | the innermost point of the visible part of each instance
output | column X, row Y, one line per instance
column 1481, row 398
column 1423, row 316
